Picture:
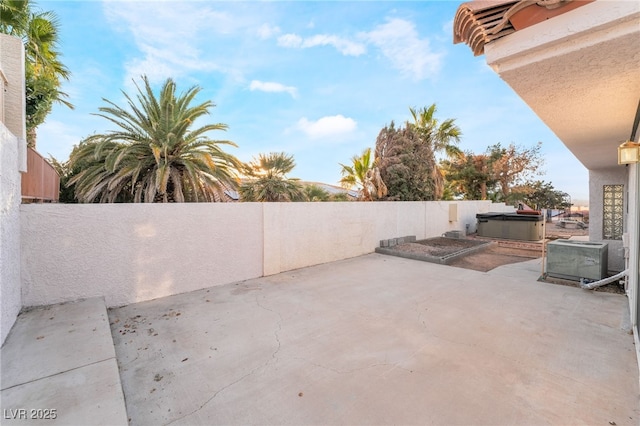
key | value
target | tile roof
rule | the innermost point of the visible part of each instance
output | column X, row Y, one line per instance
column 479, row 22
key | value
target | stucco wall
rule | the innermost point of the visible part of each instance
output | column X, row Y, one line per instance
column 10, row 301
column 134, row 252
column 12, row 66
column 303, row 234
column 597, row 179
column 12, row 161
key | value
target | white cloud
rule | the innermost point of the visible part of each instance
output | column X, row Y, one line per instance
column 266, row 31
column 334, row 125
column 271, row 87
column 398, row 40
column 290, row 40
column 167, row 53
column 342, row 45
column 346, row 47
column 400, row 43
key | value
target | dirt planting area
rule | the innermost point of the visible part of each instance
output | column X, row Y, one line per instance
column 500, row 252
column 494, row 256
column 497, row 253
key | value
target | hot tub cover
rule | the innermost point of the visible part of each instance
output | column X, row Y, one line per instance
column 509, row 216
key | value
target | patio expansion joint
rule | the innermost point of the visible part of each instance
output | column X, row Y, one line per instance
column 56, row 374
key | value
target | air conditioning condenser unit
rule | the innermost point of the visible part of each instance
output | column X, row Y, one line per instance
column 572, row 260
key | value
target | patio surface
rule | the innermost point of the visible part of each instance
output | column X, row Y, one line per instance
column 370, row 340
column 380, row 340
column 59, row 368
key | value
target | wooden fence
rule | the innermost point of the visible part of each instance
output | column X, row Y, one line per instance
column 41, row 183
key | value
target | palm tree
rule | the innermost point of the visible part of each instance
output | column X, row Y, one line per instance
column 155, row 154
column 316, row 193
column 440, row 137
column 340, row 196
column 14, row 15
column 44, row 71
column 267, row 179
column 364, row 174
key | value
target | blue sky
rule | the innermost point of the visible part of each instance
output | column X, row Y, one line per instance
column 317, row 80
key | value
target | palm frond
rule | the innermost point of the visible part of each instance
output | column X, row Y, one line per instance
column 153, row 152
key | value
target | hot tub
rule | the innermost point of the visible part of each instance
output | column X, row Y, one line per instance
column 527, row 226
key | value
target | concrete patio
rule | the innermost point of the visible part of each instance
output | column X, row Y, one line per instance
column 369, row 340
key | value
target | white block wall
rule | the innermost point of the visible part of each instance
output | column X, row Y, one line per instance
column 129, row 253
column 135, row 252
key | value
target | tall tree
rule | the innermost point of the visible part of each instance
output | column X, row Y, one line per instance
column 406, row 164
column 85, row 160
column 542, row 195
column 14, row 15
column 469, row 175
column 513, row 165
column 44, row 70
column 441, row 137
column 155, row 154
column 267, row 179
column 363, row 173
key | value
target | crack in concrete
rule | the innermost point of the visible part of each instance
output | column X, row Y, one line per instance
column 217, row 393
column 276, row 332
column 420, row 319
column 273, row 357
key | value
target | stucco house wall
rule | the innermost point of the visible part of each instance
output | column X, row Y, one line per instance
column 12, row 162
column 14, row 103
column 597, row 180
column 578, row 71
column 10, row 302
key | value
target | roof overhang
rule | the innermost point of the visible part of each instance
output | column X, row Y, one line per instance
column 480, row 22
column 580, row 73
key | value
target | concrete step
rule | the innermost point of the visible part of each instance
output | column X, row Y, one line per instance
column 58, row 364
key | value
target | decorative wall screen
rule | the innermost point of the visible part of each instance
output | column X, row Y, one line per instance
column 613, row 213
